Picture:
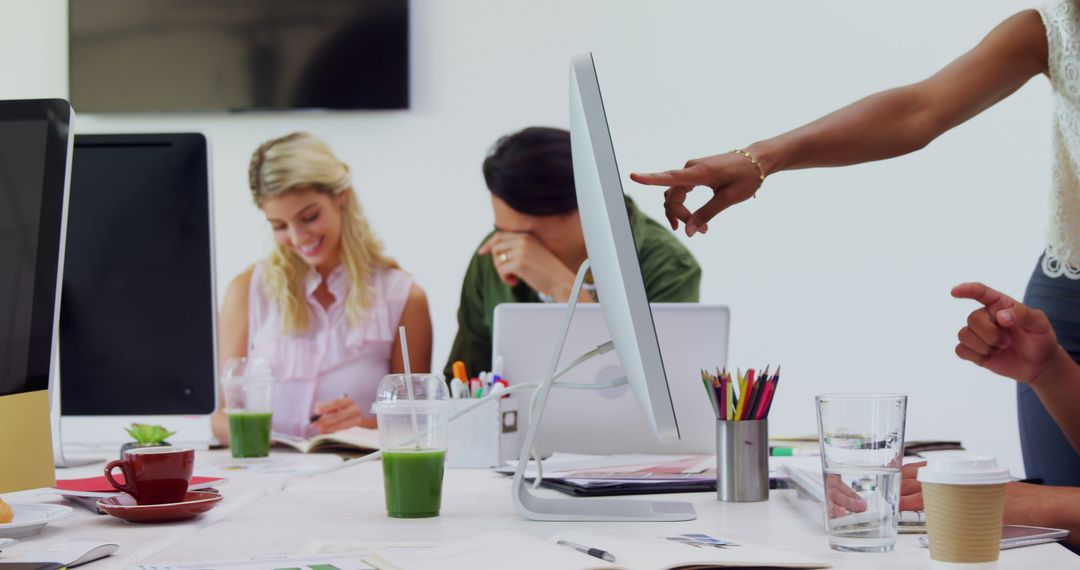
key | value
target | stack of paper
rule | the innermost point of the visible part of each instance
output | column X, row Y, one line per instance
column 626, row 474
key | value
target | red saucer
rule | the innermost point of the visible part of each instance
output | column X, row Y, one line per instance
column 194, row 504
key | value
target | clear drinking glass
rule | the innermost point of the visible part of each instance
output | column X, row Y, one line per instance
column 862, row 449
column 248, row 385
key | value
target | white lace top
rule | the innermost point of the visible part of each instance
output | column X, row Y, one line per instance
column 1062, row 22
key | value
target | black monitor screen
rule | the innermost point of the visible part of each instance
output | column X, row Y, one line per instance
column 137, row 314
column 212, row 55
column 33, row 163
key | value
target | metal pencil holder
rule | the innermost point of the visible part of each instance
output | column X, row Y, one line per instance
column 742, row 460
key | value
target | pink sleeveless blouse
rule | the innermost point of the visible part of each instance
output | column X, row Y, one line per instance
column 331, row 358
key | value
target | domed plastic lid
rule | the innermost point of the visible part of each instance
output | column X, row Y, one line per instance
column 428, row 391
column 964, row 469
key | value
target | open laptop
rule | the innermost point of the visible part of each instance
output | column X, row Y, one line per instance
column 692, row 337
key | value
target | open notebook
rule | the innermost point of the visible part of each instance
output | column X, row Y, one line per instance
column 507, row 549
column 352, row 439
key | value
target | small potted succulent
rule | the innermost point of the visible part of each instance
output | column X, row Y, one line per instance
column 145, row 435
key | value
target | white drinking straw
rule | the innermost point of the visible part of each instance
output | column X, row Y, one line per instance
column 408, row 379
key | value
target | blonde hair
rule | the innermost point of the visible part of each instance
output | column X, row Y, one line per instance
column 300, row 161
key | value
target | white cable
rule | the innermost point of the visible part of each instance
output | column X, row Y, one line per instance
column 539, row 469
column 601, row 349
column 582, row 386
column 377, row 454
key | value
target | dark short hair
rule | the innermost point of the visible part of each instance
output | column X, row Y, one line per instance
column 533, row 172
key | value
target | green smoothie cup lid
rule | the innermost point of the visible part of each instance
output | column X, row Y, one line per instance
column 964, row 469
column 429, row 392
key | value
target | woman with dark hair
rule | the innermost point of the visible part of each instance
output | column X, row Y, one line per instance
column 537, row 246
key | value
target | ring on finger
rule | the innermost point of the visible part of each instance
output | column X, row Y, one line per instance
column 503, row 257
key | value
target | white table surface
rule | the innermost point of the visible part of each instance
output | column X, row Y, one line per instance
column 256, row 519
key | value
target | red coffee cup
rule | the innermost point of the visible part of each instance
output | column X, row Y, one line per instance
column 154, row 475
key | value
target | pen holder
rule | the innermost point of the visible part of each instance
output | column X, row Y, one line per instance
column 742, row 460
column 484, row 437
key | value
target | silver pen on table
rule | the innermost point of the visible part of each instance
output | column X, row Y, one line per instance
column 595, row 552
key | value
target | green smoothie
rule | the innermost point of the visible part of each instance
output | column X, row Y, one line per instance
column 249, row 434
column 413, row 482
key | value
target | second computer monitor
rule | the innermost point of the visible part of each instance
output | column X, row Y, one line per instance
column 137, row 320
column 612, row 254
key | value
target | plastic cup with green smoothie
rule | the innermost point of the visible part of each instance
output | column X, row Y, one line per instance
column 412, row 437
column 248, row 385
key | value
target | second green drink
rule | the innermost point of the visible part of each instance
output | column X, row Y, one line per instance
column 413, row 412
column 248, row 385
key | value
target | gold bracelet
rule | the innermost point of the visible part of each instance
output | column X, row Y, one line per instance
column 743, row 152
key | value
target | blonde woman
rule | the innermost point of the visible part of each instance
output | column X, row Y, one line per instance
column 325, row 306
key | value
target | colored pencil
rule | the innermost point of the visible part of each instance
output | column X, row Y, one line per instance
column 733, row 400
column 755, row 399
column 776, row 382
column 707, row 382
column 729, row 413
column 766, row 393
column 742, row 397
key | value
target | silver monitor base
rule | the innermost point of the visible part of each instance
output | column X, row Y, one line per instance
column 596, row 509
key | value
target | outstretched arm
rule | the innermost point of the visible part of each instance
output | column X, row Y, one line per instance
column 884, row 125
column 1025, row 504
column 1014, row 340
column 905, row 119
column 1040, row 505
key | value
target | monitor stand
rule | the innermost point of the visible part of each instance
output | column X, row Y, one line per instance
column 59, row 459
column 580, row 509
column 98, row 438
column 62, row 461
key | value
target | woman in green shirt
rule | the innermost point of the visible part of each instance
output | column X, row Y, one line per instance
column 536, row 247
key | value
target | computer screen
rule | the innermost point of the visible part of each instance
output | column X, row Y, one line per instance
column 137, row 320
column 612, row 253
column 34, row 150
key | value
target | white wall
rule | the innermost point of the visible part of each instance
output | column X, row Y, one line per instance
column 841, row 275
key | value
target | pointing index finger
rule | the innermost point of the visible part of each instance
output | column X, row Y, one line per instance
column 689, row 176
column 981, row 293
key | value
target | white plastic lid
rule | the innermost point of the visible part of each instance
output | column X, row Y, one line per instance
column 964, row 469
column 429, row 393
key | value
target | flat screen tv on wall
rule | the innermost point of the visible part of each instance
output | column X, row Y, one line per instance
column 146, row 56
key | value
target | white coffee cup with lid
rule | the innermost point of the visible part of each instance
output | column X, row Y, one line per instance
column 964, row 498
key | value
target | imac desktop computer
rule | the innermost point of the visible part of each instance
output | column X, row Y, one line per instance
column 138, row 312
column 35, row 151
column 621, row 292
